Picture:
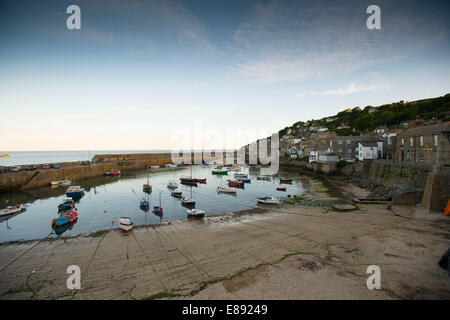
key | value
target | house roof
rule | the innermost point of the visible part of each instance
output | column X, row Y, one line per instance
column 369, row 144
column 432, row 129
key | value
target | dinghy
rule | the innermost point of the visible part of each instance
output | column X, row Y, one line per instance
column 13, row 210
column 187, row 202
column 176, row 193
column 64, row 218
column 125, row 223
column 75, row 192
column 268, row 200
column 281, row 189
column 263, row 177
column 225, row 190
column 245, row 180
column 195, row 213
column 147, row 187
column 285, row 180
column 67, row 204
column 236, row 184
column 158, row 210
column 172, row 185
column 59, row 183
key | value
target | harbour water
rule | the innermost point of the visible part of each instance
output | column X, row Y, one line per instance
column 109, row 198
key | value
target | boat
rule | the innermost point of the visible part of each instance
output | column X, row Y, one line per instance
column 125, row 223
column 158, row 210
column 225, row 190
column 245, row 180
column 200, row 180
column 220, row 170
column 240, row 175
column 113, row 173
column 75, row 192
column 147, row 187
column 67, row 204
column 171, row 165
column 58, row 183
column 154, row 167
column 206, row 165
column 263, row 177
column 13, row 210
column 59, row 230
column 281, row 189
column 176, row 193
column 187, row 201
column 236, row 184
column 172, row 185
column 195, row 213
column 285, row 180
column 144, row 205
column 268, row 200
column 188, row 182
column 4, row 156
column 64, row 218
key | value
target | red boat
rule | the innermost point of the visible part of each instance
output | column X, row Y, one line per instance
column 281, row 189
column 113, row 173
column 236, row 184
column 200, row 180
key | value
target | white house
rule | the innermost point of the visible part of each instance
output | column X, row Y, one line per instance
column 313, row 156
column 367, row 150
column 328, row 157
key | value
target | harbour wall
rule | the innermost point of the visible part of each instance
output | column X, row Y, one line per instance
column 386, row 176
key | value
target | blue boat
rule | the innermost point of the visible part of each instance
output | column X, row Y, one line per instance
column 144, row 205
column 245, row 180
column 64, row 218
column 75, row 192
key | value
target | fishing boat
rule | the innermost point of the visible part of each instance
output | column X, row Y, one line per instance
column 125, row 223
column 75, row 192
column 146, row 187
column 285, row 180
column 154, row 167
column 67, row 204
column 220, row 170
column 195, row 213
column 263, row 178
column 268, row 200
column 158, row 210
column 59, row 230
column 13, row 210
column 58, row 183
column 245, row 180
column 176, row 193
column 64, row 218
column 236, row 184
column 281, row 189
column 225, row 190
column 172, row 185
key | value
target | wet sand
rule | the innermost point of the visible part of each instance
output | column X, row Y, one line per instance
column 285, row 252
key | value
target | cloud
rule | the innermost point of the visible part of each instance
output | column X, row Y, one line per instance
column 350, row 89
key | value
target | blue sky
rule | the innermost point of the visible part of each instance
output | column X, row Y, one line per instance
column 138, row 73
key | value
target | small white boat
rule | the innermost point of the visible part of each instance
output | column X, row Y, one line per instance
column 187, row 201
column 172, row 185
column 241, row 175
column 154, row 167
column 226, row 190
column 13, row 209
column 263, row 177
column 171, row 165
column 195, row 213
column 125, row 223
column 176, row 193
column 268, row 200
column 60, row 183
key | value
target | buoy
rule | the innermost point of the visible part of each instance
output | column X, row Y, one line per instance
column 104, row 211
column 447, row 209
column 106, row 201
column 113, row 221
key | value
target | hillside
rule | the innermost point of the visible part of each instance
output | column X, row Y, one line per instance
column 358, row 120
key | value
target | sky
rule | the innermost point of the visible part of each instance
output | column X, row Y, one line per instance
column 143, row 75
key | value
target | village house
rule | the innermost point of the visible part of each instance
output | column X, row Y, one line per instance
column 369, row 150
column 346, row 147
column 427, row 145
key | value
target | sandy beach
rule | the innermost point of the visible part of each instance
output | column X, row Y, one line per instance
column 284, row 252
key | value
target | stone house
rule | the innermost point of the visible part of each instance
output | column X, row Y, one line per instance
column 427, row 145
column 345, row 147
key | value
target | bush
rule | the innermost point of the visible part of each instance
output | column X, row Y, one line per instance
column 341, row 163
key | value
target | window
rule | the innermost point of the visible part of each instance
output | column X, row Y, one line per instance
column 403, row 141
column 435, row 140
column 421, row 141
column 421, row 157
column 411, row 141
